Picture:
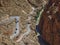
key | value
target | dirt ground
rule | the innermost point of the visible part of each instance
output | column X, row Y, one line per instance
column 21, row 8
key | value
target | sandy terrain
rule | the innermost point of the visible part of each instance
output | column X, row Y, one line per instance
column 23, row 9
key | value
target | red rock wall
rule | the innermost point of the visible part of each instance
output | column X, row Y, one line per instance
column 50, row 23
